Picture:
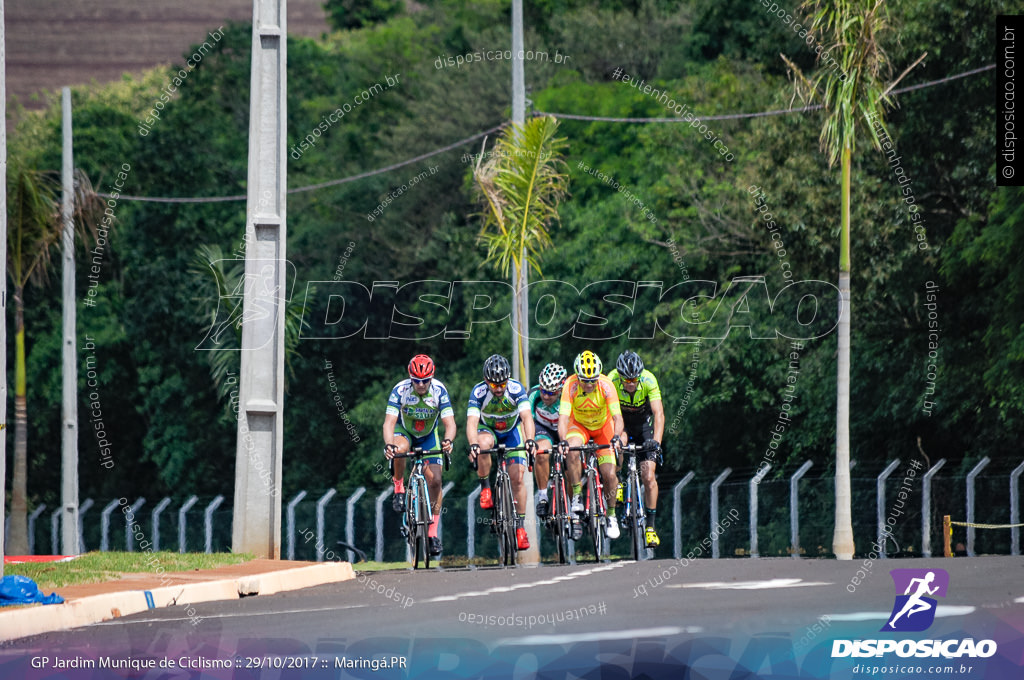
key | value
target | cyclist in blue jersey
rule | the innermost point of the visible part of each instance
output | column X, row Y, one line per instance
column 499, row 413
column 411, row 419
column 544, row 400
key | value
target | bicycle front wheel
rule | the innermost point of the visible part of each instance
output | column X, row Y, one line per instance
column 423, row 523
column 508, row 525
column 637, row 521
column 594, row 519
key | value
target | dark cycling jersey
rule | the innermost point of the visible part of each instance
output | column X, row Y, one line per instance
column 636, row 407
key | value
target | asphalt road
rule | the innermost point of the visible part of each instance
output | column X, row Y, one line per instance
column 774, row 617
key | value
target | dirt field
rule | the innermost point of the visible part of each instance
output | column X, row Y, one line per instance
column 53, row 43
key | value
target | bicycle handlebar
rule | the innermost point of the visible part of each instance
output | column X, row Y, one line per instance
column 420, row 452
column 502, row 449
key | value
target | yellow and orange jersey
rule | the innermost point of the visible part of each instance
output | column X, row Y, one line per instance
column 590, row 409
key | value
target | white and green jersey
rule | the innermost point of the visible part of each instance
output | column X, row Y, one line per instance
column 418, row 415
column 500, row 414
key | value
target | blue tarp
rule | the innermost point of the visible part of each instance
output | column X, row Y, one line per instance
column 23, row 590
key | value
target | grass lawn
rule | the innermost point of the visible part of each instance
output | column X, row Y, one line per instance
column 97, row 567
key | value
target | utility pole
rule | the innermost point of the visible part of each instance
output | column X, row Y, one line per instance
column 69, row 433
column 520, row 306
column 256, row 526
column 3, row 281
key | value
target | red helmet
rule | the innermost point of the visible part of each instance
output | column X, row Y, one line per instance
column 421, row 367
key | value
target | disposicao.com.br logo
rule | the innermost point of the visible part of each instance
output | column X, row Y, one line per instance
column 914, row 610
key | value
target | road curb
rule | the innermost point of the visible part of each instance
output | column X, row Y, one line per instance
column 83, row 611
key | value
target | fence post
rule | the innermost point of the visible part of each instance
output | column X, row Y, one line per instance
column 677, row 514
column 182, row 517
column 161, row 506
column 350, row 520
column 947, row 535
column 471, row 523
column 208, row 521
column 752, row 486
column 320, row 506
column 290, row 519
column 714, row 510
column 880, row 496
column 1015, row 509
column 444, row 492
column 794, row 510
column 129, row 542
column 105, row 524
column 32, row 528
column 926, row 508
column 971, row 476
column 55, row 532
column 86, row 504
column 379, row 521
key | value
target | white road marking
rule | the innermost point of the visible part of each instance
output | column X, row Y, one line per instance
column 752, row 585
column 547, row 582
column 542, row 640
column 941, row 611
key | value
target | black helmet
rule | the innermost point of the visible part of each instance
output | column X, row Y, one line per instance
column 497, row 369
column 629, row 365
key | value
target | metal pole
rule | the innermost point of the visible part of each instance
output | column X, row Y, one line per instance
column 926, row 508
column 105, row 524
column 1015, row 509
column 182, row 517
column 320, row 506
column 82, row 509
column 3, row 284
column 129, row 544
column 471, row 523
column 677, row 514
column 350, row 520
column 971, row 476
column 32, row 528
column 379, row 506
column 256, row 521
column 69, row 433
column 160, row 507
column 752, row 485
column 290, row 513
column 794, row 509
column 880, row 493
column 55, row 531
column 714, row 510
column 208, row 521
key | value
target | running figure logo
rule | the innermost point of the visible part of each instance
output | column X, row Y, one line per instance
column 914, row 610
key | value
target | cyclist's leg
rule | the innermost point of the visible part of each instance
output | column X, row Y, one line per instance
column 486, row 439
column 576, row 435
column 403, row 440
column 606, row 464
column 546, row 441
column 648, row 467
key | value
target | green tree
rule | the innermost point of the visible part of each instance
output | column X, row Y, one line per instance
column 522, row 183
column 348, row 14
column 852, row 95
column 34, row 229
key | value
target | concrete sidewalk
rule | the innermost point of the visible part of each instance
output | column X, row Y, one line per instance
column 133, row 593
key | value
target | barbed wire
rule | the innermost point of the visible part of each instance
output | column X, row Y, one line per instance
column 568, row 116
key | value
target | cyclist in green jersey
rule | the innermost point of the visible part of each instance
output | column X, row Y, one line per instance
column 544, row 398
column 640, row 399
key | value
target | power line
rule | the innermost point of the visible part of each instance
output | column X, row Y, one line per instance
column 568, row 116
column 758, row 114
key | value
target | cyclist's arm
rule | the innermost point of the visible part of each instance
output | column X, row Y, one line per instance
column 658, row 409
column 526, row 415
column 618, row 426
column 389, row 429
column 563, row 426
column 472, row 421
column 450, row 428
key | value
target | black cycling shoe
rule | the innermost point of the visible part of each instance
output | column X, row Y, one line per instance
column 435, row 545
column 542, row 509
column 398, row 502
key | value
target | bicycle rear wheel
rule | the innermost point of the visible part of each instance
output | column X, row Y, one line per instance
column 636, row 520
column 594, row 519
column 423, row 523
column 508, row 528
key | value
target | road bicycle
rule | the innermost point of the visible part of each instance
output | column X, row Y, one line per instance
column 634, row 516
column 595, row 512
column 418, row 515
column 503, row 513
column 560, row 519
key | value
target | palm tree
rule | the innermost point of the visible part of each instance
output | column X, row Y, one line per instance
column 523, row 183
column 855, row 95
column 34, row 229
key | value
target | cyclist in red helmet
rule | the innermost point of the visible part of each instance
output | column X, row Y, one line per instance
column 411, row 419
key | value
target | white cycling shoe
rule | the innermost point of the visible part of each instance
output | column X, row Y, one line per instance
column 612, row 530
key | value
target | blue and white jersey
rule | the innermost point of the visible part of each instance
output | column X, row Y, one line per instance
column 418, row 415
column 500, row 414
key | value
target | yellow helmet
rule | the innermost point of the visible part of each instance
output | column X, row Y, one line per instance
column 587, row 365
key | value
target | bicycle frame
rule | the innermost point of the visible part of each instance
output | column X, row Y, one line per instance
column 633, row 503
column 559, row 517
column 419, row 514
column 504, row 511
column 594, row 502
